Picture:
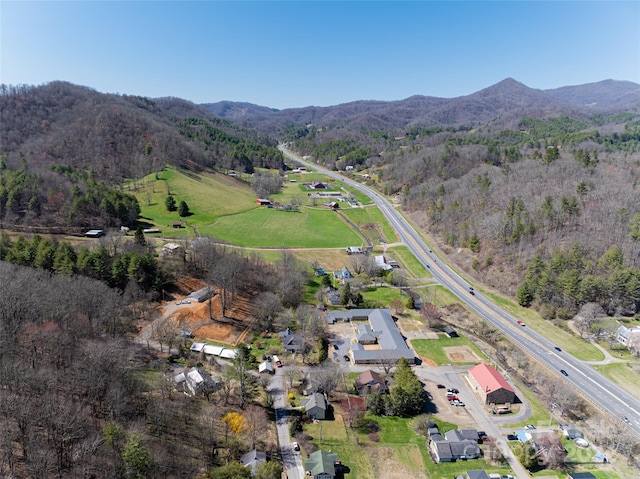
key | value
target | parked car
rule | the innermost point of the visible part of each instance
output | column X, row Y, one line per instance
column 512, row 437
column 441, row 386
column 346, row 357
column 296, row 446
column 453, row 390
column 529, row 426
column 482, row 434
column 336, row 347
column 564, row 373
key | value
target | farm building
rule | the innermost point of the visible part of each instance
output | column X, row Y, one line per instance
column 490, row 385
column 263, row 202
column 201, row 295
column 94, row 233
column 354, row 250
column 171, row 249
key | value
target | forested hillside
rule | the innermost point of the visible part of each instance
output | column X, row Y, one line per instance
column 541, row 202
column 66, row 150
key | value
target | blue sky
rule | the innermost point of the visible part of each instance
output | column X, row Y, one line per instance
column 301, row 53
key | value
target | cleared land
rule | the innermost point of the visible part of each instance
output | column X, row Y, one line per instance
column 438, row 350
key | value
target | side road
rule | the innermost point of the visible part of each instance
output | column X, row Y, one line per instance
column 292, row 460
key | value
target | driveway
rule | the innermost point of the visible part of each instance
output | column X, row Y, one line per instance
column 292, row 460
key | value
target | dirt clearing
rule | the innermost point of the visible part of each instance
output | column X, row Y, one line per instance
column 461, row 354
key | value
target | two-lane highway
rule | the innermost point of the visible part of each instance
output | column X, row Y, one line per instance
column 603, row 393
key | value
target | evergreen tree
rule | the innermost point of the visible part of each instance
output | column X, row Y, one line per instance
column 139, row 238
column 346, row 294
column 183, row 209
column 170, row 203
column 474, row 243
column 524, row 296
column 406, row 398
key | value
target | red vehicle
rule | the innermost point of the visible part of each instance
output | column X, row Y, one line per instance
column 520, row 323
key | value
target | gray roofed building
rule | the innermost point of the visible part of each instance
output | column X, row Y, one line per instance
column 253, row 459
column 201, row 295
column 477, row 474
column 454, row 445
column 381, row 326
column 315, row 405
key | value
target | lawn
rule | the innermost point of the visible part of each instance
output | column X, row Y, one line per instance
column 433, row 349
column 411, row 265
column 270, row 227
column 207, row 195
column 400, row 450
column 623, row 375
column 381, row 297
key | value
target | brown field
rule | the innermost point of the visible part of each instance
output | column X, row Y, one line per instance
column 230, row 329
column 461, row 354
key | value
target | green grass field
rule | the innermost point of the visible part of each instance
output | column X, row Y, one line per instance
column 411, row 265
column 433, row 349
column 208, row 195
column 270, row 227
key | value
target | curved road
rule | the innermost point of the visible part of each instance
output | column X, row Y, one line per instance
column 607, row 396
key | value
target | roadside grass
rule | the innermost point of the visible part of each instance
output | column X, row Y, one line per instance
column 623, row 375
column 329, row 259
column 207, row 195
column 269, row 227
column 409, row 262
column 433, row 349
column 539, row 413
column 579, row 348
column 371, row 216
column 438, row 295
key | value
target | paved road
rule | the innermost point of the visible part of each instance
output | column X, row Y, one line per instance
column 292, row 460
column 607, row 396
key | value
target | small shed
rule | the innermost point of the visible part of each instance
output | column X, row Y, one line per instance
column 266, row 367
column 201, row 295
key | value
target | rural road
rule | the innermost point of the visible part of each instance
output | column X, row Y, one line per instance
column 600, row 391
column 292, row 460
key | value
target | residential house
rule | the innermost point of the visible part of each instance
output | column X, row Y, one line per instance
column 315, row 405
column 196, row 381
column 625, row 333
column 490, row 385
column 291, row 341
column 454, row 445
column 381, row 262
column 476, row 474
column 370, row 381
column 321, row 465
column 253, row 459
column 318, row 185
column 354, row 250
column 343, row 275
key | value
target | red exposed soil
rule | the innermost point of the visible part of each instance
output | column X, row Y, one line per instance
column 195, row 317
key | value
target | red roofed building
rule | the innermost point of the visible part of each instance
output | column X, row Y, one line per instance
column 490, row 385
